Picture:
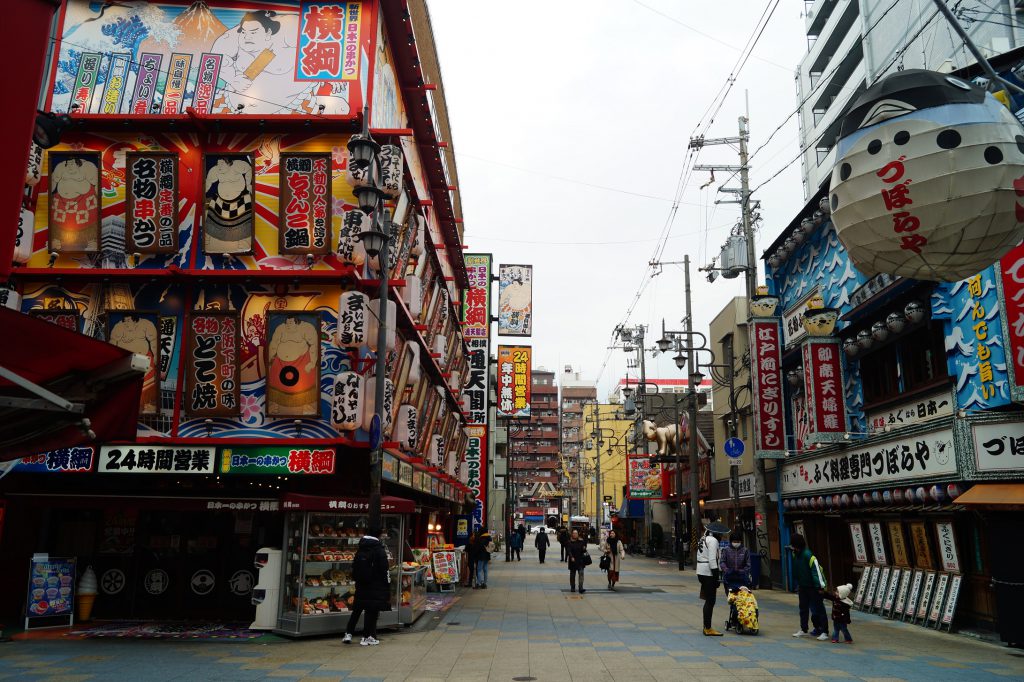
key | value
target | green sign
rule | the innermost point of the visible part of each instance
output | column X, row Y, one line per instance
column 277, row 460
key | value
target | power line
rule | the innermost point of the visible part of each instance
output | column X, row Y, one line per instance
column 881, row 73
column 821, row 83
column 706, row 35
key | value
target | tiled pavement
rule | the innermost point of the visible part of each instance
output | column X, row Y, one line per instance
column 525, row 626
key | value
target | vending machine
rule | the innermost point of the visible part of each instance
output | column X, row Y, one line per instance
column 266, row 595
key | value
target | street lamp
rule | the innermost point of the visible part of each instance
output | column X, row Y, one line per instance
column 364, row 174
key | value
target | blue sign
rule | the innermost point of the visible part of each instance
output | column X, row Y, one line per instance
column 73, row 460
column 375, row 434
column 734, row 447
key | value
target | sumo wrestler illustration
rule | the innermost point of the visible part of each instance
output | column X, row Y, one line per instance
column 74, row 202
column 229, row 204
column 137, row 332
column 293, row 364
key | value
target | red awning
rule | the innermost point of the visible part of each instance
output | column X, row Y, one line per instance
column 57, row 385
column 342, row 504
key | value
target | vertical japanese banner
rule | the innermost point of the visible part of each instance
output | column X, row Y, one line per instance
column 212, row 380
column 151, row 197
column 515, row 300
column 514, row 381
column 113, row 88
column 145, row 83
column 329, row 34
column 476, row 311
column 176, row 84
column 138, row 332
column 769, row 426
column 206, row 82
column 293, row 364
column 1012, row 297
column 978, row 360
column 305, row 214
column 85, row 82
column 823, row 385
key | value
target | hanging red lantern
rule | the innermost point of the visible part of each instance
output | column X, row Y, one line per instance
column 929, row 178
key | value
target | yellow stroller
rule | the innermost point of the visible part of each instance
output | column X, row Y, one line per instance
column 744, row 605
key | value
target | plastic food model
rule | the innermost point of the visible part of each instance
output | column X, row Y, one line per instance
column 929, row 178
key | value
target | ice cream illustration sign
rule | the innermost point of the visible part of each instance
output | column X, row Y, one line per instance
column 51, row 589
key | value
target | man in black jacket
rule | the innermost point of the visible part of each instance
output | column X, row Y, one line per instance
column 541, row 543
column 372, row 576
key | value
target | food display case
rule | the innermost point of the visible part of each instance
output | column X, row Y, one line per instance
column 317, row 590
column 414, row 593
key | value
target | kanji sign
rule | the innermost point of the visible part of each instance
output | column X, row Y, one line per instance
column 877, row 542
column 925, row 409
column 1012, row 275
column 85, row 82
column 64, row 460
column 305, row 212
column 860, row 551
column 151, row 198
column 114, row 87
column 793, row 319
column 514, row 381
column 212, row 377
column 823, row 383
column 644, row 478
column 893, row 461
column 145, row 459
column 770, row 426
column 476, row 313
column 145, row 83
column 206, row 82
column 276, row 460
column 328, row 47
column 176, row 83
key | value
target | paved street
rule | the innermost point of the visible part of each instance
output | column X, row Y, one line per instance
column 526, row 625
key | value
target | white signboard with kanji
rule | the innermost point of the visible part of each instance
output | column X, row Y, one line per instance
column 893, row 461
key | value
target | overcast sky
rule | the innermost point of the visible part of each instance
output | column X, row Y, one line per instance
column 554, row 106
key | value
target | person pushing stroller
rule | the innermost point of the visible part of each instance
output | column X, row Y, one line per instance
column 735, row 565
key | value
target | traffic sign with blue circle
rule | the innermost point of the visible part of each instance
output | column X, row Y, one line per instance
column 734, row 447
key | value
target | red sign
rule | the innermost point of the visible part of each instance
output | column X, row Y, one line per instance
column 151, row 195
column 823, row 384
column 305, row 206
column 212, row 379
column 1012, row 268
column 770, row 427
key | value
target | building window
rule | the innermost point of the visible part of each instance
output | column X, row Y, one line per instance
column 913, row 362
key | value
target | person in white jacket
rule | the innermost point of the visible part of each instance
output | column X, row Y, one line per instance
column 709, row 573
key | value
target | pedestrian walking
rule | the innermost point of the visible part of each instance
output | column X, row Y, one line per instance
column 522, row 533
column 482, row 548
column 563, row 540
column 541, row 543
column 372, row 577
column 615, row 550
column 709, row 573
column 841, row 604
column 515, row 543
column 579, row 559
column 471, row 559
column 735, row 566
column 810, row 581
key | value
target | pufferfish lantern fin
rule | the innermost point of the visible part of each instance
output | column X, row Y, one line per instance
column 884, row 110
column 1003, row 97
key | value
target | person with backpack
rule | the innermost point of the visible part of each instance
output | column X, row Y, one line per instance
column 372, row 576
column 810, row 581
column 541, row 543
column 482, row 549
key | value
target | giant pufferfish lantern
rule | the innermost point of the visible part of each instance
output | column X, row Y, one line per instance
column 929, row 178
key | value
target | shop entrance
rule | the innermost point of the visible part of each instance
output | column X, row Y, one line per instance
column 168, row 565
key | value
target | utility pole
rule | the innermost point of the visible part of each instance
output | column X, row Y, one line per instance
column 691, row 366
column 597, row 474
column 760, row 489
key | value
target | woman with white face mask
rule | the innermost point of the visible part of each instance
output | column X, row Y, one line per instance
column 735, row 564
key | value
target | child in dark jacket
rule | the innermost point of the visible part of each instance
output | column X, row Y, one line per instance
column 841, row 604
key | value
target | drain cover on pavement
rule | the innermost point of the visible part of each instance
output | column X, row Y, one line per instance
column 524, row 678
